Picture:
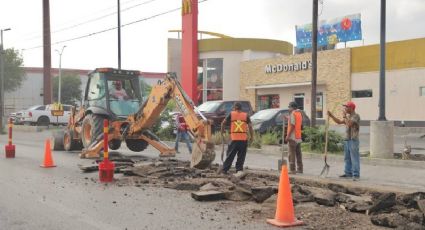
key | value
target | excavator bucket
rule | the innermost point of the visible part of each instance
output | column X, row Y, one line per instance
column 203, row 155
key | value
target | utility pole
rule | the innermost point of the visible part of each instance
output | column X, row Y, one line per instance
column 2, row 55
column 119, row 35
column 47, row 58
column 314, row 65
column 382, row 131
column 60, row 74
column 382, row 65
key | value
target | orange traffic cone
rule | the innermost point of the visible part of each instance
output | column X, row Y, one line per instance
column 48, row 160
column 285, row 216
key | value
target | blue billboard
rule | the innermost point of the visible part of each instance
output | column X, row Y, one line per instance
column 330, row 32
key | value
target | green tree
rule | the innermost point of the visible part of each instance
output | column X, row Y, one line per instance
column 13, row 73
column 146, row 88
column 70, row 88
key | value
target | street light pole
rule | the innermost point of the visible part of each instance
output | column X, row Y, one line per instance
column 2, row 55
column 314, row 65
column 119, row 35
column 382, row 64
column 60, row 73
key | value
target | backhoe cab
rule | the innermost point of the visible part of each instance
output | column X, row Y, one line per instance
column 115, row 95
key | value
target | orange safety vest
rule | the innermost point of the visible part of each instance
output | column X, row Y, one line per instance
column 298, row 123
column 238, row 126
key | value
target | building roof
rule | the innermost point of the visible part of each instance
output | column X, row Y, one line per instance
column 83, row 72
column 241, row 44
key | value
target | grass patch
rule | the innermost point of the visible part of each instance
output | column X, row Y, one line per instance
column 270, row 138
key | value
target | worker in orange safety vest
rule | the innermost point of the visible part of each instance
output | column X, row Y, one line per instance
column 239, row 124
column 294, row 139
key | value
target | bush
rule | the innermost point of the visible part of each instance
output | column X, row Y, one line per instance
column 167, row 132
column 256, row 141
column 217, row 139
column 270, row 138
column 315, row 139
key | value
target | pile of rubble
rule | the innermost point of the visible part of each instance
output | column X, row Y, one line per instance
column 385, row 209
column 405, row 211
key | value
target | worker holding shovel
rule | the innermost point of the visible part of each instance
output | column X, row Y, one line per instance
column 351, row 120
column 294, row 139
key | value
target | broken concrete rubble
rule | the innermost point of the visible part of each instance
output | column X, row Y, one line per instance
column 260, row 194
column 383, row 202
column 410, row 200
column 208, row 195
column 413, row 215
column 390, row 220
column 421, row 204
column 261, row 186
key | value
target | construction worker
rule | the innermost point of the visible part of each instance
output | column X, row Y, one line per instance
column 293, row 138
column 182, row 133
column 351, row 120
column 239, row 124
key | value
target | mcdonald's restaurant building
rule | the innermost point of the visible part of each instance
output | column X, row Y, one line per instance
column 349, row 74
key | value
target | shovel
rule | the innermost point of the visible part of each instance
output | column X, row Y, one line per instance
column 326, row 168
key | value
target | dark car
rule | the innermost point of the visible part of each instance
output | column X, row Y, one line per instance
column 218, row 110
column 271, row 120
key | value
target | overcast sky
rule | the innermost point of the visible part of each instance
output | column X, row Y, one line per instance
column 144, row 44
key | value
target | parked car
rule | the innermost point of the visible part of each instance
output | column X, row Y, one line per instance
column 41, row 115
column 218, row 110
column 271, row 120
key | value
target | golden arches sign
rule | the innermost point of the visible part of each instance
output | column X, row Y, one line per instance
column 186, row 7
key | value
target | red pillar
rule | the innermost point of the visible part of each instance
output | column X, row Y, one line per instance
column 190, row 47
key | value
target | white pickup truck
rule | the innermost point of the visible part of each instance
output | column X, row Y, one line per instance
column 42, row 115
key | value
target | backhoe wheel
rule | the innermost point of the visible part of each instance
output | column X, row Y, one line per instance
column 114, row 144
column 92, row 127
column 69, row 143
column 58, row 140
column 136, row 145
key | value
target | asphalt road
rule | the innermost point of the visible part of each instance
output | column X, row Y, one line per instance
column 65, row 198
column 32, row 197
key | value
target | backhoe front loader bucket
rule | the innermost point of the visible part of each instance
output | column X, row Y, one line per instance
column 203, row 154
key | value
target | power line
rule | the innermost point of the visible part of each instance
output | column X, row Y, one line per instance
column 91, row 20
column 112, row 28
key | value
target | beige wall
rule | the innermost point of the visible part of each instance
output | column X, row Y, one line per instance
column 333, row 76
column 174, row 63
column 402, row 94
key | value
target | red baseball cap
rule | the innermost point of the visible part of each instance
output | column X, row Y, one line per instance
column 350, row 104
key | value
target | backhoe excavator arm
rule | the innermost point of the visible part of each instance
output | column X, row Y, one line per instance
column 138, row 124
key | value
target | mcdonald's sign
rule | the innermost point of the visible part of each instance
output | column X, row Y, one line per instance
column 186, row 7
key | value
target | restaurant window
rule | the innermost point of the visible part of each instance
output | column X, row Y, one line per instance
column 268, row 101
column 361, row 93
column 210, row 80
column 319, row 105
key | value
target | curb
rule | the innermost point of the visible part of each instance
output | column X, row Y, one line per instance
column 277, row 151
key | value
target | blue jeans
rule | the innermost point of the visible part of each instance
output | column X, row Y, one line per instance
column 352, row 158
column 186, row 138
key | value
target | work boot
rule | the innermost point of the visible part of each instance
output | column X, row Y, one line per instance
column 300, row 171
column 292, row 172
column 221, row 171
column 345, row 176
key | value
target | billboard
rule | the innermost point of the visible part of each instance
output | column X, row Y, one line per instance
column 330, row 32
